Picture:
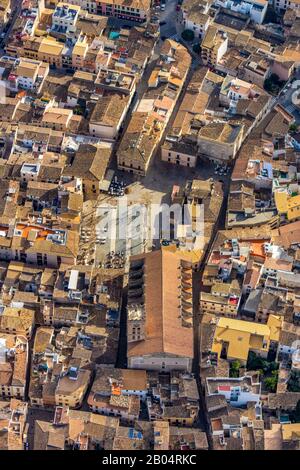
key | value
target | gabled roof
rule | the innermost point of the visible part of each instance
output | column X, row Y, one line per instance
column 164, row 332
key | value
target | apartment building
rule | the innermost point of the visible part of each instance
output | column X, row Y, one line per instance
column 234, row 89
column 21, row 277
column 134, row 10
column 275, row 265
column 283, row 67
column 214, row 46
column 79, row 53
column 256, row 69
column 223, row 299
column 238, row 392
column 64, row 19
column 57, row 118
column 117, row 392
column 290, row 436
column 288, row 206
column 89, row 164
column 39, row 245
column 180, row 146
column 50, row 51
column 282, row 5
column 180, row 153
column 220, row 141
column 108, row 116
column 14, row 425
column 75, row 430
column 154, row 110
column 17, row 321
column 39, row 139
column 64, row 357
column 256, row 9
column 174, row 398
column 13, row 366
column 175, row 438
column 233, row 339
column 288, row 340
column 195, row 16
column 72, row 386
column 28, row 75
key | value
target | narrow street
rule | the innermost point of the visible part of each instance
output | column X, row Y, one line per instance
column 197, row 283
column 169, row 16
column 122, row 350
column 140, row 90
column 35, row 414
column 287, row 96
column 16, row 8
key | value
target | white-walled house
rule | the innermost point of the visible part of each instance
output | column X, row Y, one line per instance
column 108, row 116
column 28, row 74
column 195, row 16
column 237, row 391
column 256, row 9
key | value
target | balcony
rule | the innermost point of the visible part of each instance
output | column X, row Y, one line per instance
column 185, row 304
column 188, row 323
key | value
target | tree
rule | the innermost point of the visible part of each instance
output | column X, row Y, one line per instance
column 235, row 369
column 197, row 48
column 272, row 366
column 78, row 110
column 255, row 362
column 271, row 16
column 294, row 382
column 273, row 84
column 188, row 35
column 274, row 78
column 296, row 413
column 293, row 127
column 269, row 85
column 271, row 382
